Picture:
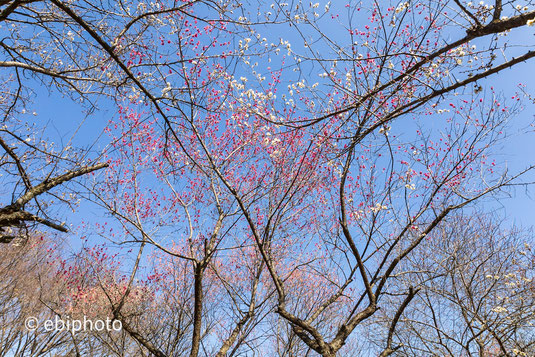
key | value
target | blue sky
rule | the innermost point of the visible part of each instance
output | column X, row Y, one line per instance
column 65, row 119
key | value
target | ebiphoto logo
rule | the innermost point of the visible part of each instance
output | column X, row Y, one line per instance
column 74, row 326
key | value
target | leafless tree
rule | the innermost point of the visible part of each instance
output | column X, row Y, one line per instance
column 286, row 212
column 474, row 297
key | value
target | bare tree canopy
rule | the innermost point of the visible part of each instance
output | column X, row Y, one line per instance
column 271, row 179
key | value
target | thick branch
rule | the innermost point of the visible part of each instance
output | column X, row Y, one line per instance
column 389, row 350
column 48, row 184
